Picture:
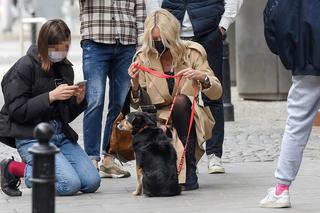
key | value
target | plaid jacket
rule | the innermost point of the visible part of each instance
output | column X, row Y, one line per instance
column 105, row 21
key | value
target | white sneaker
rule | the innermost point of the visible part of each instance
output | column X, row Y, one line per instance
column 276, row 201
column 215, row 164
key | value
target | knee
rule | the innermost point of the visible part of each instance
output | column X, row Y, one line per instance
column 67, row 186
column 182, row 101
column 91, row 183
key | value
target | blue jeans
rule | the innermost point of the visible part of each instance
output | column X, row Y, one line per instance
column 74, row 170
column 99, row 62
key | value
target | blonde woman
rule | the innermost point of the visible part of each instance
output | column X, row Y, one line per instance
column 164, row 52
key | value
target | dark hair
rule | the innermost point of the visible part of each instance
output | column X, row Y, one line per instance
column 52, row 32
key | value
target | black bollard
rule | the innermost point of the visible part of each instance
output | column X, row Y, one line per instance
column 43, row 170
column 33, row 30
column 227, row 105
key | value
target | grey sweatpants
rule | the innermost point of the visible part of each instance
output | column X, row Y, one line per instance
column 303, row 105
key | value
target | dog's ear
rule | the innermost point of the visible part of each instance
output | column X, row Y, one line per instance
column 150, row 119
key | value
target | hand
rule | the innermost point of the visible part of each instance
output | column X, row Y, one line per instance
column 134, row 74
column 80, row 93
column 62, row 92
column 192, row 74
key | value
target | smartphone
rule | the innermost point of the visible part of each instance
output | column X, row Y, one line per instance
column 81, row 83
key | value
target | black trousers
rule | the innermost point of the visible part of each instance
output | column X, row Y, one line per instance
column 213, row 44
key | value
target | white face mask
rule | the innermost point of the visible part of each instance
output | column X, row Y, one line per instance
column 57, row 56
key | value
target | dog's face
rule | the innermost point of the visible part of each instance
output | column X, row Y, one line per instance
column 135, row 121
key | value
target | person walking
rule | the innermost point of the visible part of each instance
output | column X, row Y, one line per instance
column 205, row 22
column 295, row 37
column 110, row 33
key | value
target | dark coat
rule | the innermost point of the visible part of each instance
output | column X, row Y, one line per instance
column 26, row 89
column 205, row 15
column 292, row 31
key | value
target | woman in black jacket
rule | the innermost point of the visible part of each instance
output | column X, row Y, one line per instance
column 39, row 88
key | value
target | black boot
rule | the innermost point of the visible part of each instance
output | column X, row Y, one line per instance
column 191, row 173
column 9, row 182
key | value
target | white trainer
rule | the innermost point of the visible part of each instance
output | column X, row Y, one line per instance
column 215, row 164
column 276, row 201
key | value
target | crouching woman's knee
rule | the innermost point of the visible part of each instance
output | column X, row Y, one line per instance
column 91, row 183
column 67, row 186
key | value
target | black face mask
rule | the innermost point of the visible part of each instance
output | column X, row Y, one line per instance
column 158, row 45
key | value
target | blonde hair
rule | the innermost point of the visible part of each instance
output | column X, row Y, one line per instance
column 169, row 28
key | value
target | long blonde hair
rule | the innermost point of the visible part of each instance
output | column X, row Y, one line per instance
column 169, row 28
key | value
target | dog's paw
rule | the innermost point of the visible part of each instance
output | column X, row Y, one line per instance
column 136, row 193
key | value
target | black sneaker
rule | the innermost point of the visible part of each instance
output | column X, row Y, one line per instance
column 189, row 187
column 9, row 182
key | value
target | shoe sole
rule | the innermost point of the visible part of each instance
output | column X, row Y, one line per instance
column 107, row 175
column 216, row 171
column 275, row 205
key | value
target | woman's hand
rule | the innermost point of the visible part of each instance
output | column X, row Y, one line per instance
column 80, row 93
column 192, row 74
column 134, row 74
column 62, row 92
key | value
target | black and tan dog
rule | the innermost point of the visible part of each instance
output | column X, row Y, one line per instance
column 155, row 156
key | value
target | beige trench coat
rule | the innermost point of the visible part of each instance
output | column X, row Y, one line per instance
column 155, row 90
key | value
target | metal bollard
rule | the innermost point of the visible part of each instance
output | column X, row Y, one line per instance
column 227, row 105
column 33, row 30
column 43, row 170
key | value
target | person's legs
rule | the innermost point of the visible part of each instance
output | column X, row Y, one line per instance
column 81, row 164
column 303, row 105
column 212, row 42
column 96, row 58
column 67, row 181
column 119, row 84
column 181, row 113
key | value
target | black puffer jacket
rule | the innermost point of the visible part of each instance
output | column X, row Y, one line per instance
column 26, row 94
column 292, row 31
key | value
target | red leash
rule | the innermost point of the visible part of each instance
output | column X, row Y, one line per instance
column 162, row 75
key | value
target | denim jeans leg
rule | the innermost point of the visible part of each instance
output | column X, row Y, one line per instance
column 119, row 84
column 96, row 59
column 81, row 164
column 22, row 148
column 67, row 181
